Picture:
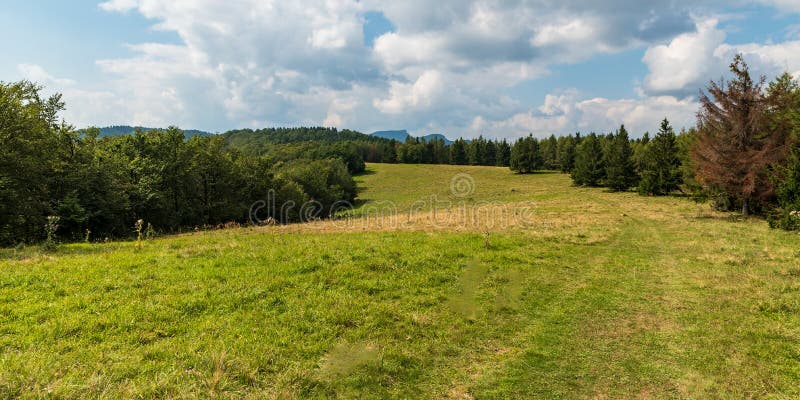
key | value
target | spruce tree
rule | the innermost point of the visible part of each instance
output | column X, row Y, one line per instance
column 588, row 169
column 503, row 154
column 661, row 166
column 548, row 150
column 458, row 152
column 565, row 154
column 787, row 214
column 620, row 167
column 525, row 157
column 490, row 153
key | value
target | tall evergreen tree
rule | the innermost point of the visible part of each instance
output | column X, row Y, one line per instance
column 565, row 153
column 735, row 146
column 525, row 156
column 490, row 153
column 787, row 213
column 503, row 154
column 660, row 164
column 458, row 152
column 620, row 167
column 476, row 151
column 589, row 169
column 549, row 153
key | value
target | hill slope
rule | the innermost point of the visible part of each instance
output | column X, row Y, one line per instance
column 587, row 294
column 402, row 135
column 119, row 130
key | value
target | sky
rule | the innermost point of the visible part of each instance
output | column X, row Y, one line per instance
column 497, row 68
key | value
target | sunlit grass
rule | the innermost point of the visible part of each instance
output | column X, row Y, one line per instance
column 600, row 295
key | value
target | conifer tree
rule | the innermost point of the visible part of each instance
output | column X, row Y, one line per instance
column 661, row 166
column 548, row 149
column 620, row 167
column 525, row 156
column 503, row 154
column 490, row 153
column 565, row 153
column 588, row 169
column 735, row 146
column 458, row 152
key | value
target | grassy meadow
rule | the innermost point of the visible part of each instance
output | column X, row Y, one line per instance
column 596, row 295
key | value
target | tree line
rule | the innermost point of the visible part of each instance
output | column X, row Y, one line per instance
column 100, row 187
column 652, row 166
column 743, row 155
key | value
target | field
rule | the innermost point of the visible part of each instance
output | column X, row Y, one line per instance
column 556, row 292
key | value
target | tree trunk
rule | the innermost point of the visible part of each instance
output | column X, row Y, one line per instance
column 745, row 210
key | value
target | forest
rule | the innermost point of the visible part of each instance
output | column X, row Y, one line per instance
column 58, row 181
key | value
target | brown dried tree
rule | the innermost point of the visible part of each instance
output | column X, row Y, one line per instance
column 736, row 146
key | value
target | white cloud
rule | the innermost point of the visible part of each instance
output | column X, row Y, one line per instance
column 404, row 97
column 690, row 60
column 448, row 67
column 446, row 63
column 569, row 112
column 685, row 61
column 36, row 73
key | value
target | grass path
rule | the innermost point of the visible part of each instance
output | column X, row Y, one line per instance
column 606, row 295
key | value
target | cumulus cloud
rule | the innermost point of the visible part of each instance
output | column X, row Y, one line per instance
column 36, row 73
column 447, row 66
column 569, row 112
column 686, row 61
column 444, row 64
column 690, row 60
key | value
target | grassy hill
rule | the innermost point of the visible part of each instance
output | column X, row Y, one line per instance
column 580, row 294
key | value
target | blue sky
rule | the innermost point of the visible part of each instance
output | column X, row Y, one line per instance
column 497, row 68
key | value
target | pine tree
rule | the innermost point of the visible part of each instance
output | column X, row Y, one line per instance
column 490, row 153
column 525, row 156
column 458, row 152
column 735, row 145
column 787, row 214
column 620, row 168
column 565, row 154
column 549, row 149
column 661, row 166
column 588, row 169
column 503, row 154
column 475, row 151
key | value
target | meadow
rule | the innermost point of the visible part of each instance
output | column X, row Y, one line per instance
column 591, row 294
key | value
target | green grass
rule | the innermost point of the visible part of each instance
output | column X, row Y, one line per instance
column 604, row 295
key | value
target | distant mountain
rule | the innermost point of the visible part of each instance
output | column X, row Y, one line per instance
column 120, row 130
column 436, row 136
column 402, row 135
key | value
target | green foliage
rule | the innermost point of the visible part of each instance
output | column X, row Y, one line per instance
column 525, row 155
column 593, row 308
column 548, row 148
column 589, row 169
column 619, row 163
column 105, row 185
column 565, row 152
column 50, row 228
column 661, row 172
column 786, row 215
column 32, row 155
column 325, row 182
column 503, row 154
column 458, row 152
